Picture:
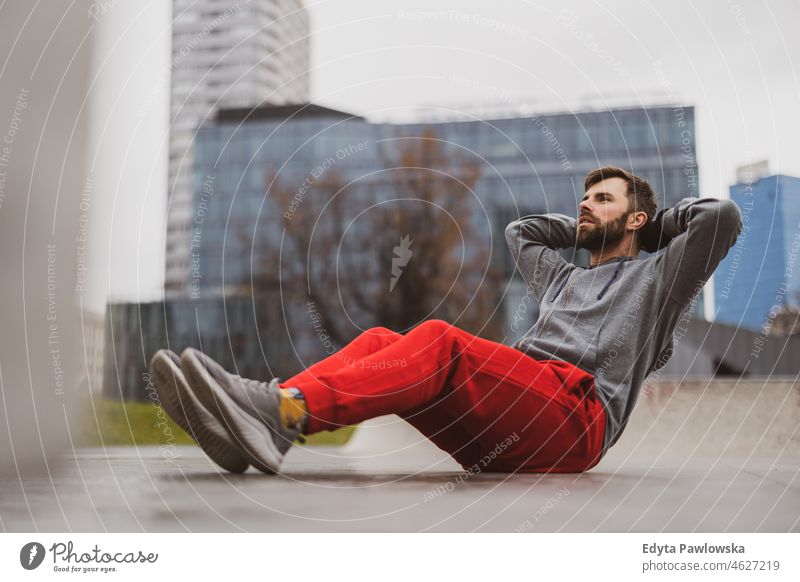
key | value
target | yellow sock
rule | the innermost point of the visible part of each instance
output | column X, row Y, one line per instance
column 293, row 409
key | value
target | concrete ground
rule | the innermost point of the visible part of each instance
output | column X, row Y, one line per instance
column 687, row 462
column 129, row 489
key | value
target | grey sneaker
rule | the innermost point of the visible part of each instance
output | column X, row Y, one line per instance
column 249, row 409
column 185, row 409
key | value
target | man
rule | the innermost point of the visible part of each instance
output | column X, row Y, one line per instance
column 555, row 401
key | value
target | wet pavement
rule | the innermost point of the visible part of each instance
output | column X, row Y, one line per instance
column 130, row 489
column 687, row 462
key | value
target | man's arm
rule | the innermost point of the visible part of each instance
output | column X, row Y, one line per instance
column 698, row 232
column 533, row 240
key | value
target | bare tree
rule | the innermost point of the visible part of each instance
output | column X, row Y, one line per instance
column 392, row 251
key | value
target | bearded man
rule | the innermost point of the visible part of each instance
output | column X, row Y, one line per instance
column 554, row 401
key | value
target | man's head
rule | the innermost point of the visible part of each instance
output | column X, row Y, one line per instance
column 616, row 204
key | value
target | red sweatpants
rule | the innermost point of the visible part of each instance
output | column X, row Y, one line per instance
column 490, row 406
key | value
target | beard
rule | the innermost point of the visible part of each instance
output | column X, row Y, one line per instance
column 594, row 237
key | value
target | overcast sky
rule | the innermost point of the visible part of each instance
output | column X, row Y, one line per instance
column 736, row 62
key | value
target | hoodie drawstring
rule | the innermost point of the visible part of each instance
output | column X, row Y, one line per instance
column 620, row 261
column 560, row 287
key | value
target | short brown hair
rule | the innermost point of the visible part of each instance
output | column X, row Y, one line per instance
column 641, row 197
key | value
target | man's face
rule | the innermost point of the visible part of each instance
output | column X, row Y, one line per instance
column 603, row 214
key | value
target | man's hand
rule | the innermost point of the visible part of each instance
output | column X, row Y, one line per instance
column 652, row 237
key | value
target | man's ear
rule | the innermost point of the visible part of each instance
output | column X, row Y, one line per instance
column 639, row 220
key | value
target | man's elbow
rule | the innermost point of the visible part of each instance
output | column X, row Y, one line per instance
column 512, row 234
column 730, row 218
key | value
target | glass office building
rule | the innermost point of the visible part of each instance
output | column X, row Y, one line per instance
column 761, row 272
column 531, row 164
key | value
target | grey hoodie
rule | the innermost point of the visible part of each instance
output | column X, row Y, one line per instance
column 615, row 320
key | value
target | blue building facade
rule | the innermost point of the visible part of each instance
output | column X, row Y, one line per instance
column 532, row 164
column 761, row 273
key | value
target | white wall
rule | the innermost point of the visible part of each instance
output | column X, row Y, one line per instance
column 128, row 161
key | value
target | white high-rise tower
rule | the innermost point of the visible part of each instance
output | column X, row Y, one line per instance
column 224, row 54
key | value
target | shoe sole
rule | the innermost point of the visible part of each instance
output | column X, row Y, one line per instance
column 250, row 433
column 186, row 410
